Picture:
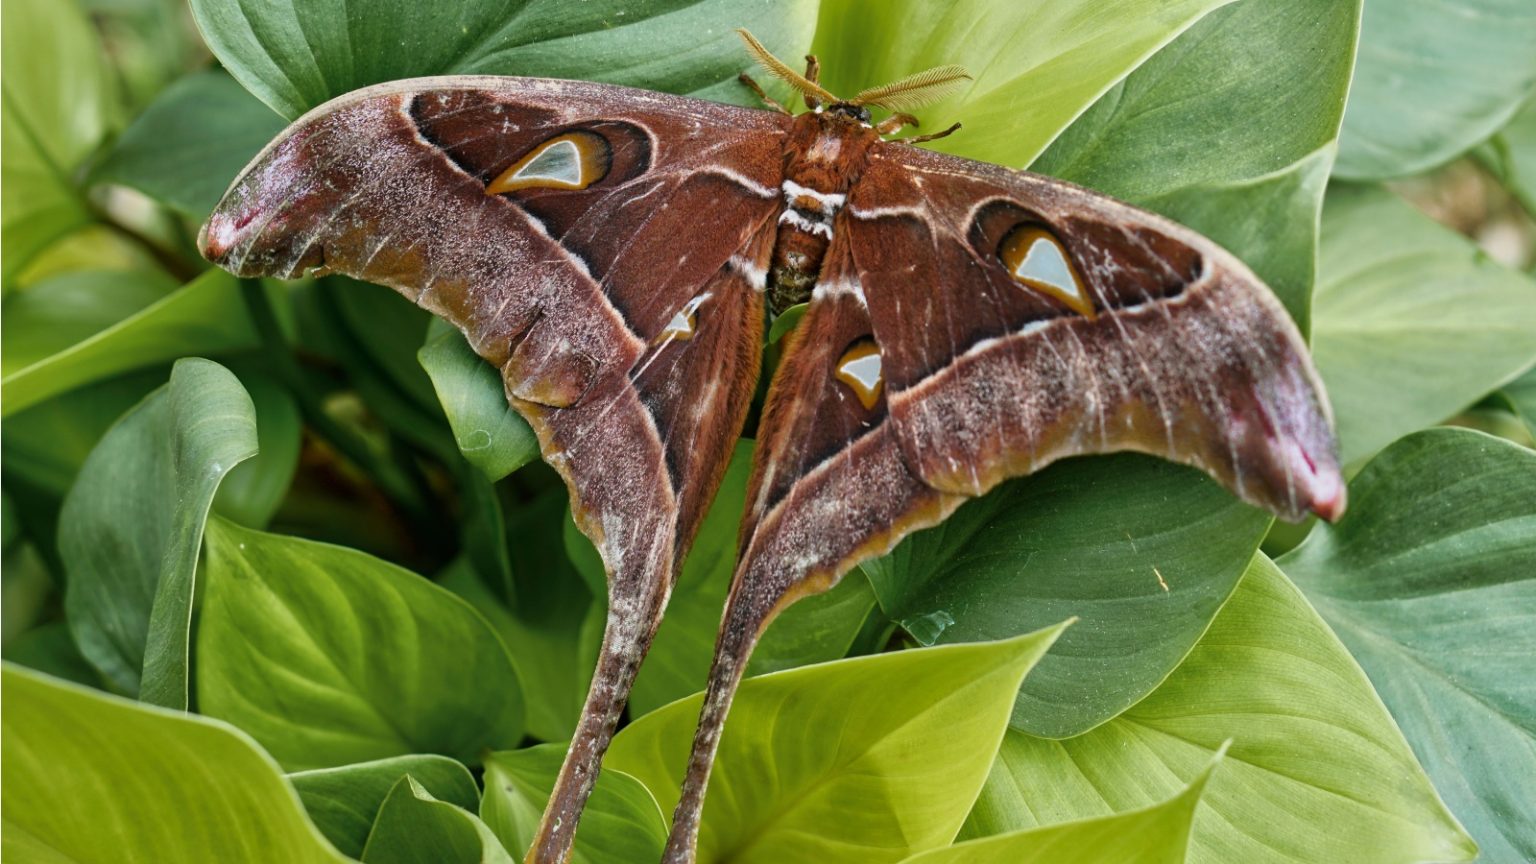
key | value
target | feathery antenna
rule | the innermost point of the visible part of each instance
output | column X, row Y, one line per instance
column 779, row 69
column 915, row 91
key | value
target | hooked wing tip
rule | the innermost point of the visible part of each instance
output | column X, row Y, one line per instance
column 1328, row 494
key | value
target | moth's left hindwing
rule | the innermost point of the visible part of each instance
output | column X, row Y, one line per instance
column 605, row 248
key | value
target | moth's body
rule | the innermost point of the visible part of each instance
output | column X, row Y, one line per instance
column 824, row 155
column 614, row 253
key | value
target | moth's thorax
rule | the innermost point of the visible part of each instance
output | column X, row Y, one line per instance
column 823, row 157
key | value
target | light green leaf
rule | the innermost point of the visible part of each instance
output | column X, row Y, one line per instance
column 415, row 828
column 1511, row 155
column 1434, row 78
column 57, row 106
column 907, row 735
column 492, row 436
column 1090, row 538
column 205, row 316
column 91, row 778
column 187, row 146
column 329, row 656
column 1412, row 323
column 295, row 56
column 343, row 802
column 1037, row 66
column 132, row 526
column 56, row 313
column 1521, row 396
column 1244, row 162
column 1316, row 770
column 1158, row 834
column 1435, row 595
column 622, row 822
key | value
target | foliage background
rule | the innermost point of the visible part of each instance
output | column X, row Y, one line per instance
column 283, row 578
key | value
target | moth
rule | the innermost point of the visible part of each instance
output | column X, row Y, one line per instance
column 615, row 253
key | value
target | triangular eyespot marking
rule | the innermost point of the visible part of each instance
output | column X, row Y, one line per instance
column 574, row 160
column 683, row 324
column 1037, row 260
column 859, row 368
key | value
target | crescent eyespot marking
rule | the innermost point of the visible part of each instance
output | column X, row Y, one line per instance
column 1037, row 260
column 574, row 160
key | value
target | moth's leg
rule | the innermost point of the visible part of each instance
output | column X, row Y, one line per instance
column 918, row 139
column 758, row 89
column 813, row 75
column 894, row 123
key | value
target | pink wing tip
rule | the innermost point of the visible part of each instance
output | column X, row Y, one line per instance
column 1328, row 494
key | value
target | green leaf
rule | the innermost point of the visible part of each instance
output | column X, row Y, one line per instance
column 1091, row 538
column 56, row 107
column 1434, row 78
column 343, row 802
column 329, row 656
column 89, row 778
column 47, row 443
column 1412, row 322
column 622, row 822
column 1316, row 770
column 1521, row 396
column 132, row 526
column 205, row 316
column 1259, row 145
column 1511, row 155
column 187, row 146
column 252, row 492
column 907, row 735
column 50, row 649
column 415, row 828
column 1158, row 834
column 492, row 436
column 1037, row 66
column 1435, row 595
column 295, row 56
column 56, row 313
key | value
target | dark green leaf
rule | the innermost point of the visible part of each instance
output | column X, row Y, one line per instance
column 1431, row 582
column 329, row 656
column 1316, row 770
column 1434, row 78
column 295, row 56
column 413, row 827
column 622, row 822
column 187, row 147
column 132, row 527
column 1412, row 322
column 343, row 802
column 94, row 779
column 1143, row 551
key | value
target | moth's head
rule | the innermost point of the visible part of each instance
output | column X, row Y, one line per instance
column 907, row 94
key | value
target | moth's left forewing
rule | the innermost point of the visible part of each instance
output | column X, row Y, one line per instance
column 1023, row 319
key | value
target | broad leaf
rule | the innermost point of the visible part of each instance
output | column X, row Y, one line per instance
column 205, row 316
column 47, row 443
column 621, row 823
column 1255, row 148
column 132, row 527
column 295, row 55
column 92, row 778
column 907, row 735
column 252, row 492
column 1521, row 397
column 56, row 313
column 1316, row 770
column 1090, row 538
column 1431, row 582
column 1037, row 66
column 492, row 436
column 413, row 827
column 1434, row 78
column 187, row 147
column 1158, row 834
column 1413, row 323
column 329, row 656
column 1511, row 155
column 57, row 106
column 343, row 802
column 50, row 649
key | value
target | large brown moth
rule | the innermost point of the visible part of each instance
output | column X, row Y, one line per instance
column 615, row 253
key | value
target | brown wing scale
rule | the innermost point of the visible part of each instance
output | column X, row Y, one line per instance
column 564, row 227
